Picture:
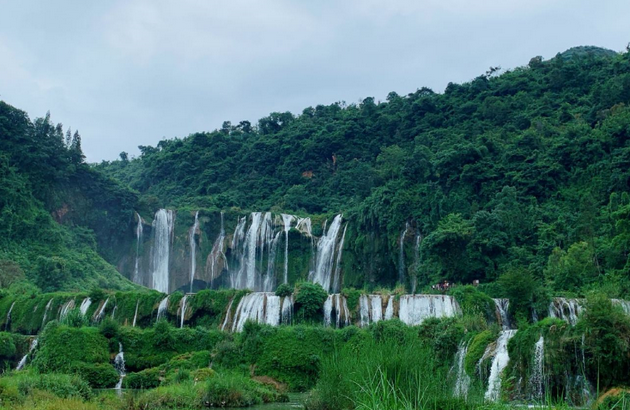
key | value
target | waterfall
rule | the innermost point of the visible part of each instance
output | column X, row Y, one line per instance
column 502, row 315
column 114, row 311
column 565, row 309
column 325, row 254
column 500, row 360
column 462, row 381
column 304, row 226
column 217, row 252
column 364, row 311
column 85, row 305
column 22, row 362
column 193, row 249
column 119, row 364
column 162, row 308
column 48, row 305
column 135, row 315
column 227, row 315
column 65, row 309
column 416, row 263
column 163, row 234
column 6, row 325
column 336, row 308
column 337, row 278
column 182, row 310
column 258, row 236
column 401, row 255
column 287, row 310
column 414, row 309
column 625, row 305
column 286, row 220
column 389, row 310
column 269, row 283
column 537, row 379
column 136, row 271
column 98, row 316
column 261, row 307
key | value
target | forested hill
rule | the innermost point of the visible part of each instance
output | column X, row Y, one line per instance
column 55, row 212
column 528, row 169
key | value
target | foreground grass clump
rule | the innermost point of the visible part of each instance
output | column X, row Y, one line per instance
column 19, row 388
column 397, row 370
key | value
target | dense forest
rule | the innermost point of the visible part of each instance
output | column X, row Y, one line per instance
column 523, row 172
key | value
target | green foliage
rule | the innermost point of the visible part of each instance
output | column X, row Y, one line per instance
column 145, row 379
column 284, row 290
column 443, row 335
column 607, row 341
column 109, row 328
column 309, row 301
column 15, row 387
column 474, row 302
column 572, row 270
column 476, row 349
column 235, row 390
column 99, row 375
column 525, row 293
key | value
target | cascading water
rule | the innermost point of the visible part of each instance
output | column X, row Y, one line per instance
column 48, row 305
column 499, row 362
column 364, row 310
column 389, row 310
column 182, row 310
column 269, row 282
column 259, row 235
column 624, row 304
column 135, row 315
column 326, row 255
column 261, row 307
column 304, row 226
column 416, row 263
column 502, row 308
column 6, row 325
column 136, row 271
column 193, row 249
column 401, row 254
column 65, row 309
column 566, row 309
column 163, row 234
column 162, row 308
column 119, row 365
column 287, row 310
column 336, row 308
column 114, row 311
column 22, row 362
column 227, row 315
column 98, row 316
column 286, row 220
column 85, row 305
column 414, row 309
column 217, row 255
column 537, row 379
column 462, row 380
column 337, row 277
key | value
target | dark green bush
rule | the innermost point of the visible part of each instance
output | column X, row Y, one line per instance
column 146, row 379
column 284, row 290
column 98, row 376
column 309, row 301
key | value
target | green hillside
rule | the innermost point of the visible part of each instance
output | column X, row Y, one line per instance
column 522, row 172
column 55, row 212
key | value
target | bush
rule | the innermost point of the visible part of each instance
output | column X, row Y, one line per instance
column 146, row 379
column 109, row 328
column 284, row 290
column 476, row 349
column 61, row 385
column 234, row 390
column 99, row 375
column 176, row 396
column 309, row 301
column 76, row 319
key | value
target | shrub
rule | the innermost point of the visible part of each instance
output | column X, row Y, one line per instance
column 284, row 290
column 309, row 301
column 146, row 379
column 61, row 385
column 99, row 375
column 76, row 319
column 176, row 396
column 235, row 390
column 109, row 328
column 476, row 349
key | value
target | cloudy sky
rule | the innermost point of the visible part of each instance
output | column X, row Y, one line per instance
column 129, row 73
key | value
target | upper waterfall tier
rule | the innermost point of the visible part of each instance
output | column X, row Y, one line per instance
column 190, row 251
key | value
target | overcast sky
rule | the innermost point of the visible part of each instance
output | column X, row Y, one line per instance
column 129, row 73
